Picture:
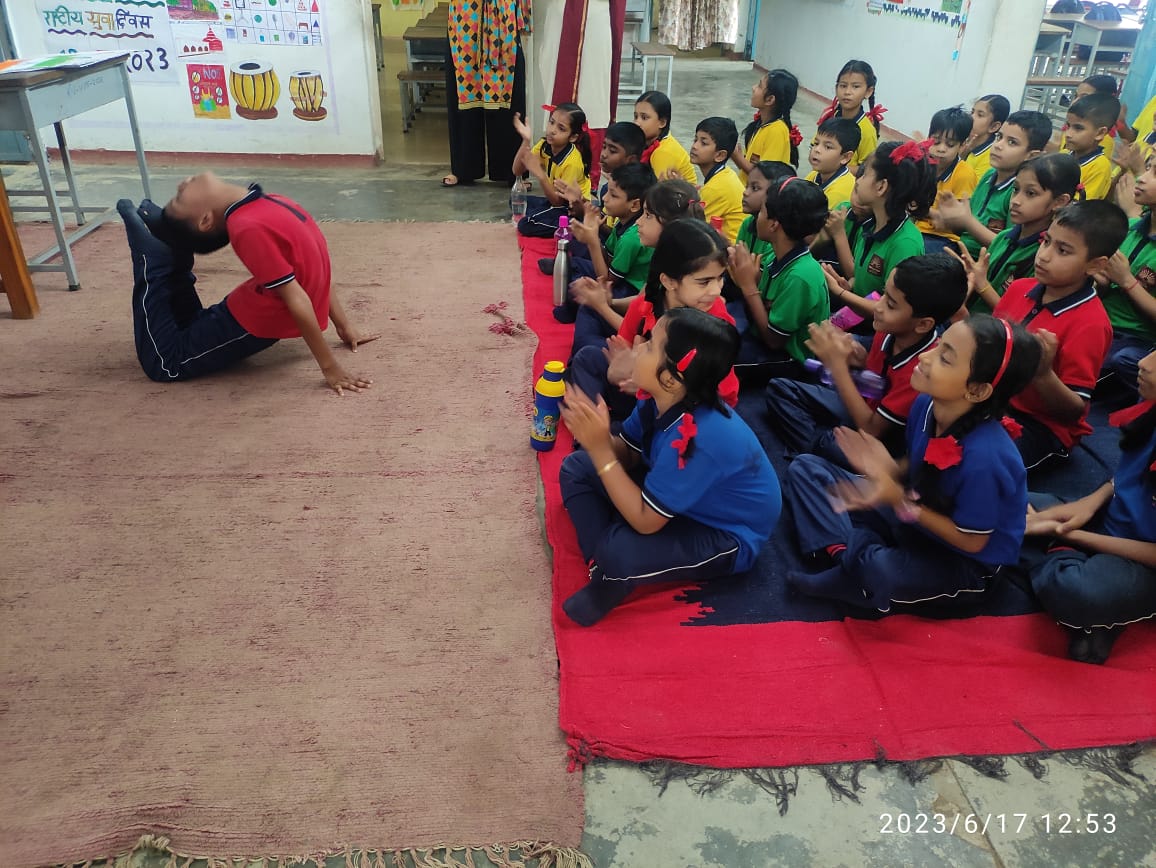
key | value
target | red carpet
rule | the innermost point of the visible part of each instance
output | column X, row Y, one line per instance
column 645, row 683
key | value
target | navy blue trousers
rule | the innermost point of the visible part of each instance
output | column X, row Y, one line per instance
column 177, row 338
column 1086, row 589
column 885, row 561
column 804, row 416
column 1036, row 443
column 1124, row 357
column 683, row 551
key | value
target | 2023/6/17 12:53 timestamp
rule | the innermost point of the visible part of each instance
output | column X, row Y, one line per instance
column 1063, row 823
column 1059, row 823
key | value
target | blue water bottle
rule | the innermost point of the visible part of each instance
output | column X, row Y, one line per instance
column 548, row 392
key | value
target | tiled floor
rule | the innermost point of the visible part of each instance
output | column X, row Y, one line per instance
column 736, row 824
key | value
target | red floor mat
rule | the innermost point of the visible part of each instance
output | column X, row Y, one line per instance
column 643, row 684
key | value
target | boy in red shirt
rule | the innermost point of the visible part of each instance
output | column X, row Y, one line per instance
column 287, row 296
column 1060, row 306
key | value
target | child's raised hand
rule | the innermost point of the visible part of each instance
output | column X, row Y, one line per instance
column 1049, row 344
column 1128, row 156
column 744, row 267
column 620, row 355
column 868, row 456
column 522, row 129
column 572, row 193
column 836, row 283
column 1119, row 269
column 949, row 211
column 830, row 345
column 976, row 269
column 587, row 421
column 589, row 292
column 836, row 224
column 670, row 175
column 1126, row 195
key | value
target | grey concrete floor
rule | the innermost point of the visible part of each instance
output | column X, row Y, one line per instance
column 735, row 820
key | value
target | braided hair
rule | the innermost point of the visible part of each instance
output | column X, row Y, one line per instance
column 674, row 200
column 911, row 182
column 784, row 87
column 863, row 68
column 991, row 346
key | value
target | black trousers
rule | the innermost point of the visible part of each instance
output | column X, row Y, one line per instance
column 478, row 135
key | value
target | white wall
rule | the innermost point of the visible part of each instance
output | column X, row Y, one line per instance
column 911, row 58
column 345, row 60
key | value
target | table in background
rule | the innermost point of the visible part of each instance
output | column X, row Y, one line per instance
column 13, row 269
column 35, row 99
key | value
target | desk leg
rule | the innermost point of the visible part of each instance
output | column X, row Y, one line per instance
column 40, row 155
column 66, row 161
column 377, row 36
column 135, row 128
column 13, row 268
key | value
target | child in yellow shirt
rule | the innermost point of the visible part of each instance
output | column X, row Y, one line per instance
column 663, row 152
column 1089, row 120
column 987, row 115
column 949, row 129
column 770, row 136
column 715, row 139
column 855, row 85
column 832, row 150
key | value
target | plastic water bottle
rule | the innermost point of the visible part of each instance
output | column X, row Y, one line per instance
column 562, row 237
column 548, row 392
column 518, row 200
column 867, row 383
column 846, row 318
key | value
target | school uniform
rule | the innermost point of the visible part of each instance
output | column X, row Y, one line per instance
column 748, row 234
column 990, row 204
column 179, row 339
column 804, row 414
column 887, row 561
column 958, row 179
column 589, row 366
column 1083, row 333
column 665, row 153
column 722, row 503
column 722, row 196
column 980, row 158
column 1013, row 257
column 837, row 188
column 1133, row 334
column 1084, row 589
column 877, row 252
column 629, row 265
column 1108, row 143
column 541, row 218
column 1145, row 127
column 1095, row 173
column 869, row 137
column 771, row 141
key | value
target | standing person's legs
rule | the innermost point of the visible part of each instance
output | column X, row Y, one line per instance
column 467, row 132
column 502, row 140
column 176, row 338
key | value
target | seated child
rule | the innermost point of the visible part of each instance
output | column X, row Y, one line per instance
column 1129, row 289
column 831, row 152
column 685, row 493
column 791, row 293
column 288, row 295
column 762, row 175
column 665, row 156
column 954, row 175
column 563, row 155
column 1098, row 83
column 629, row 261
column 945, row 519
column 921, row 292
column 623, row 143
column 686, row 271
column 770, row 136
column 721, row 190
column 1142, row 134
column 895, row 183
column 836, row 243
column 1022, row 135
column 1089, row 119
column 601, row 313
column 1060, row 306
column 854, row 84
column 987, row 115
column 1043, row 186
column 1099, row 573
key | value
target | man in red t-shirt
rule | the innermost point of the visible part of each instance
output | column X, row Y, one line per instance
column 288, row 294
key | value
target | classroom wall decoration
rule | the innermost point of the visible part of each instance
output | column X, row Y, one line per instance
column 255, row 88
column 286, row 23
column 208, row 90
column 951, row 13
column 307, row 90
column 140, row 27
column 193, row 10
column 193, row 39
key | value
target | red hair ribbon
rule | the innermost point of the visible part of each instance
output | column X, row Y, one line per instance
column 829, row 111
column 546, row 107
column 1130, row 414
column 1080, row 188
column 907, row 150
column 586, row 128
column 650, row 149
column 758, row 117
column 1014, row 429
column 687, row 429
column 876, row 114
column 796, row 136
column 943, row 452
column 1007, row 351
column 685, row 361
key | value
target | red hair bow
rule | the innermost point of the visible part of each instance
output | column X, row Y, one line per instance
column 586, row 128
column 546, row 107
column 876, row 114
column 1014, row 429
column 829, row 111
column 912, row 150
column 687, row 429
column 943, row 452
column 796, row 136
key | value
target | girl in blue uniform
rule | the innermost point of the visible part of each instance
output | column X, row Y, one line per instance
column 947, row 518
column 1099, row 573
column 685, row 493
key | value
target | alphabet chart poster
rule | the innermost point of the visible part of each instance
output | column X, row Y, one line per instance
column 140, row 27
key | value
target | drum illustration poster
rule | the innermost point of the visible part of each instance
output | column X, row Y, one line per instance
column 208, row 90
